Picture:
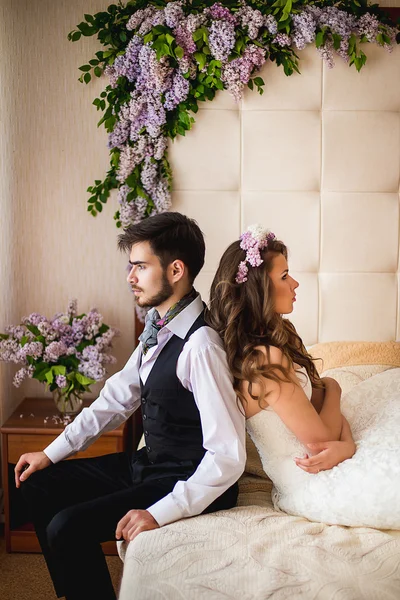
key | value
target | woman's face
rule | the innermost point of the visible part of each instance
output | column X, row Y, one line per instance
column 284, row 285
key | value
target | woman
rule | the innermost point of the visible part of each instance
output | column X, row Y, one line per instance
column 290, row 411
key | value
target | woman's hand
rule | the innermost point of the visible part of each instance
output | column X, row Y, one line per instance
column 326, row 455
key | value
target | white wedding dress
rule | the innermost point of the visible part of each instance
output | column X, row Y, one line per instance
column 361, row 491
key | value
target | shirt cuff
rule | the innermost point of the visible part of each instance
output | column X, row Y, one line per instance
column 166, row 511
column 59, row 449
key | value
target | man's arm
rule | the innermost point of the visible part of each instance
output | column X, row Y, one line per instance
column 118, row 399
column 205, row 372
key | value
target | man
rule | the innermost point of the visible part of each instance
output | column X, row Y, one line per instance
column 194, row 431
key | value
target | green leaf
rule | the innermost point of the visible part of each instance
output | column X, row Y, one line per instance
column 319, row 39
column 86, row 29
column 84, row 380
column 87, row 77
column 259, row 81
column 201, row 59
column 179, row 53
column 198, row 34
column 250, row 84
column 76, row 36
column 33, row 329
column 93, row 62
column 49, row 376
column 169, row 38
column 98, row 72
column 99, row 206
column 85, row 68
column 59, row 370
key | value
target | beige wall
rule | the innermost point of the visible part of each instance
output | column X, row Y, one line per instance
column 316, row 159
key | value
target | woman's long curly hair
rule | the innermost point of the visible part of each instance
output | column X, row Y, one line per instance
column 244, row 316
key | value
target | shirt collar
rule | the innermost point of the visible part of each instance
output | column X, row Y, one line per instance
column 183, row 321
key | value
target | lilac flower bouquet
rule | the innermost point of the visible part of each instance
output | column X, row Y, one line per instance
column 67, row 353
column 164, row 57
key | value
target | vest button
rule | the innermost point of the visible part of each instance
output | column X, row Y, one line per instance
column 143, row 400
column 146, row 432
column 148, row 448
column 144, row 417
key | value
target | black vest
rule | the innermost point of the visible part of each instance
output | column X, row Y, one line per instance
column 171, row 419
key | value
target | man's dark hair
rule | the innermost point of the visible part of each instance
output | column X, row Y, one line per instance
column 171, row 236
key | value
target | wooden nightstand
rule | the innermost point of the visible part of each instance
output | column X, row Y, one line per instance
column 27, row 431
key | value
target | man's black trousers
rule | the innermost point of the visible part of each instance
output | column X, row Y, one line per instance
column 75, row 505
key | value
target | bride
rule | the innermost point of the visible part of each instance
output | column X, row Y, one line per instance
column 294, row 416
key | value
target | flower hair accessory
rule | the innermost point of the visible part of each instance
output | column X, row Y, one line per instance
column 254, row 239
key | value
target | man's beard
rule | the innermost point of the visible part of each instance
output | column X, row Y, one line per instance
column 164, row 293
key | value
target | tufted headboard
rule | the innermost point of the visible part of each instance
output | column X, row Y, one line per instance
column 316, row 159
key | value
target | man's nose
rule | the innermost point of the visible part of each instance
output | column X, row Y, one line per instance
column 131, row 276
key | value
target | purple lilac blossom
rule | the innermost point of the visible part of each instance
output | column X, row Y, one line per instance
column 178, row 92
column 368, row 25
column 23, row 374
column 33, row 349
column 139, row 16
column 54, row 350
column 9, row 350
column 304, row 26
column 72, row 309
column 173, row 14
column 121, row 131
column 217, row 11
column 252, row 19
column 126, row 65
column 271, row 24
column 221, row 39
column 326, row 53
column 282, row 40
column 130, row 212
column 61, row 381
column 236, row 73
column 184, row 38
column 33, row 319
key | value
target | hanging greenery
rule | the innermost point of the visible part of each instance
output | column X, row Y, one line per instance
column 164, row 57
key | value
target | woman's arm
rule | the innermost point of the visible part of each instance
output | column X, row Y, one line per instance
column 327, row 455
column 330, row 411
column 291, row 404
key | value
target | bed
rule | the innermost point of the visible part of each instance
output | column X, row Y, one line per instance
column 253, row 552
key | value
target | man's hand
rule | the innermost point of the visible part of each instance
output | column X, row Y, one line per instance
column 28, row 464
column 326, row 455
column 133, row 523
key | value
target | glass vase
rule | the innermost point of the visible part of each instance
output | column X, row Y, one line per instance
column 68, row 404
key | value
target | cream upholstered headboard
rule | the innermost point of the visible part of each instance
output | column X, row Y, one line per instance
column 317, row 160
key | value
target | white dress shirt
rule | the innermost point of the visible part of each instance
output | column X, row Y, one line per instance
column 203, row 370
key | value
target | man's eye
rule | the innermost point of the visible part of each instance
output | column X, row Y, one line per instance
column 141, row 267
column 285, row 276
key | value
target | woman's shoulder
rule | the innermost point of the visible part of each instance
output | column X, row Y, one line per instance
column 274, row 355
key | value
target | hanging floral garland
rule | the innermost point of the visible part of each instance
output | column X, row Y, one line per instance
column 164, row 57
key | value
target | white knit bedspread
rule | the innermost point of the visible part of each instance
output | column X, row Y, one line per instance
column 254, row 552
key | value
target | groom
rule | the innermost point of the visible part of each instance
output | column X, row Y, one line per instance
column 194, row 433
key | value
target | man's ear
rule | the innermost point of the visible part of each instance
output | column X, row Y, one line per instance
column 177, row 270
